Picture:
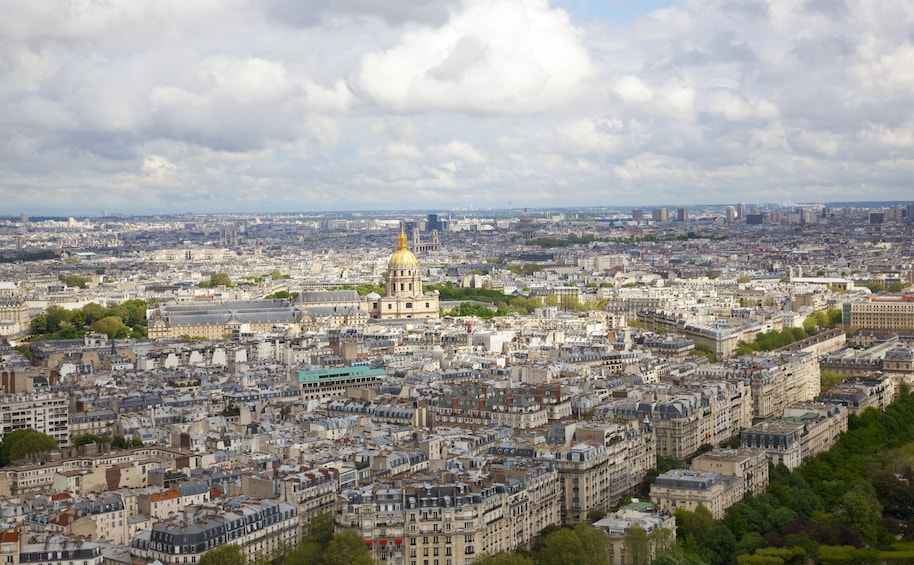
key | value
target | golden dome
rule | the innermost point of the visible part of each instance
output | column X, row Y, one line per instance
column 402, row 258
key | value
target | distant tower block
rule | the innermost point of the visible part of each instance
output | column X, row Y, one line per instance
column 638, row 215
column 228, row 236
column 526, row 226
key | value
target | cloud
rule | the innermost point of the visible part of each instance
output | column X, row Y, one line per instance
column 275, row 105
column 512, row 56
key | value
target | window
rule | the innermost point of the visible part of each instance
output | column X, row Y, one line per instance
column 390, row 306
column 409, row 304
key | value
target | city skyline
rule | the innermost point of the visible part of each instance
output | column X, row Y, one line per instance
column 276, row 106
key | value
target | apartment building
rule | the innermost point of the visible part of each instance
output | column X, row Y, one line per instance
column 59, row 550
column 100, row 518
column 85, row 473
column 451, row 522
column 683, row 488
column 775, row 380
column 858, row 394
column 323, row 384
column 631, row 451
column 684, row 418
column 94, row 422
column 805, row 430
column 892, row 311
column 160, row 503
column 586, row 479
column 47, row 413
column 749, row 465
column 636, row 514
column 215, row 320
column 475, row 406
column 310, row 491
column 260, row 528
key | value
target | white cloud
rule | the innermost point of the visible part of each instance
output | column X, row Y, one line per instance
column 512, row 56
column 283, row 105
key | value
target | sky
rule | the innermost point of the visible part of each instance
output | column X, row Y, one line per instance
column 173, row 106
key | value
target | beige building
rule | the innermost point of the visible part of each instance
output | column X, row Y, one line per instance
column 637, row 514
column 95, row 473
column 14, row 316
column 453, row 522
column 311, row 492
column 807, row 429
column 260, row 528
column 160, row 503
column 630, row 447
column 403, row 297
column 858, row 394
column 682, row 488
column 216, row 320
column 686, row 417
column 47, row 413
column 776, row 380
column 480, row 406
column 596, row 475
column 750, row 465
column 880, row 312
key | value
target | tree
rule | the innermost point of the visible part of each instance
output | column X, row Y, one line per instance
column 89, row 438
column 216, row 280
column 93, row 312
column 829, row 379
column 696, row 524
column 305, row 553
column 74, row 281
column 595, row 543
column 320, row 529
column 718, row 545
column 278, row 295
column 57, row 316
column 560, row 548
column 503, row 559
column 347, row 548
column 678, row 557
column 112, row 326
column 21, row 443
column 38, row 325
column 861, row 510
column 637, row 546
column 79, row 319
column 595, row 514
column 225, row 554
column 661, row 540
column 220, row 279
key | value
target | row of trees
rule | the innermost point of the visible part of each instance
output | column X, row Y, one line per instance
column 505, row 304
column 769, row 341
column 849, row 505
column 119, row 442
column 18, row 444
column 118, row 322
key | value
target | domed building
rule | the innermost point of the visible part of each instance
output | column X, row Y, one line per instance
column 403, row 289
